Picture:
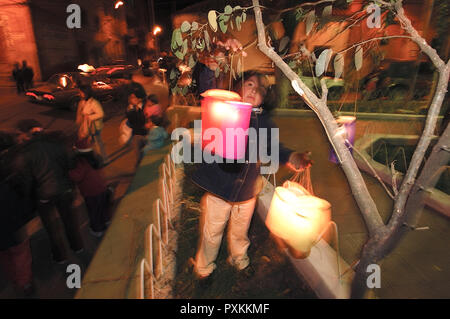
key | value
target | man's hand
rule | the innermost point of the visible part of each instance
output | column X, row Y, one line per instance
column 299, row 161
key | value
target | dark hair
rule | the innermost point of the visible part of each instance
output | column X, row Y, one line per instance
column 269, row 95
column 153, row 98
column 137, row 90
column 262, row 81
column 87, row 90
column 26, row 125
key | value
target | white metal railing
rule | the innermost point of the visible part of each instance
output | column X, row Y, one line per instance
column 164, row 214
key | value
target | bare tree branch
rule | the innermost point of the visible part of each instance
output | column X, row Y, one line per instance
column 432, row 117
column 375, row 39
column 359, row 189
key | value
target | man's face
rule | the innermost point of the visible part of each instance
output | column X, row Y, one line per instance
column 252, row 92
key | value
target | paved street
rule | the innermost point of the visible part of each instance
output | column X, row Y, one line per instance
column 50, row 278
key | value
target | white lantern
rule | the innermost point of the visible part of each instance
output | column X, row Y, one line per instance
column 298, row 217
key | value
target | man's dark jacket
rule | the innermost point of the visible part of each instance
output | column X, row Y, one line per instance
column 16, row 206
column 45, row 162
column 238, row 182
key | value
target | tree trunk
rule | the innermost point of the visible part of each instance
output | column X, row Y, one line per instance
column 428, row 178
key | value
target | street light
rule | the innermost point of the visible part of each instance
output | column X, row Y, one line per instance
column 118, row 4
column 157, row 29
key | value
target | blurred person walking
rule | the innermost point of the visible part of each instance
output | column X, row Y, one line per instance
column 16, row 210
column 136, row 118
column 43, row 161
column 28, row 75
column 18, row 78
column 86, row 173
column 90, row 119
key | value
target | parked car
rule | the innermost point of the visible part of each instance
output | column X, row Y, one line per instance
column 115, row 71
column 62, row 89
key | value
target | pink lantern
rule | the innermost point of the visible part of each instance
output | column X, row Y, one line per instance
column 297, row 217
column 347, row 127
column 227, row 119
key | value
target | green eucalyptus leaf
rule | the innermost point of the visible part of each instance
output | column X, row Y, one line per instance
column 185, row 26
column 175, row 38
column 179, row 55
column 310, row 18
column 358, row 57
column 338, row 65
column 228, row 9
column 217, row 72
column 244, row 16
column 194, row 26
column 327, row 11
column 173, row 74
column 212, row 20
column 322, row 61
column 239, row 67
column 225, row 18
column 184, row 90
column 223, row 26
column 238, row 22
column 237, row 8
column 283, row 43
column 231, row 24
column 178, row 37
column 292, row 64
column 185, row 46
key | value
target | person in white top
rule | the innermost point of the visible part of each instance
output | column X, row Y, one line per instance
column 90, row 119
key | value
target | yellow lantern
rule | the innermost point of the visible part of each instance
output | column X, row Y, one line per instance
column 298, row 217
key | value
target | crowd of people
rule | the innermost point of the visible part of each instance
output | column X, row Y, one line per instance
column 42, row 172
column 23, row 76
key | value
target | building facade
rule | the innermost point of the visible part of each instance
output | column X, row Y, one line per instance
column 36, row 31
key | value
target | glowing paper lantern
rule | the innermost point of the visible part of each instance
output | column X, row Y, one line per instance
column 227, row 119
column 347, row 128
column 297, row 217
